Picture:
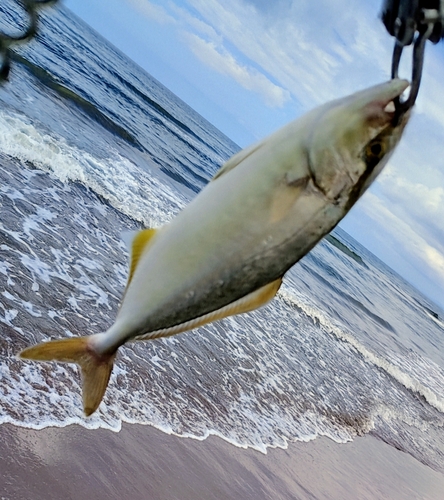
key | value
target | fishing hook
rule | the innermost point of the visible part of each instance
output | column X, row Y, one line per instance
column 412, row 21
column 417, row 66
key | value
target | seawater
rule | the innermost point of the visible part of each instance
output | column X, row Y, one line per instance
column 92, row 146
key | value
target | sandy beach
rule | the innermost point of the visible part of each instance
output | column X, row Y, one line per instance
column 141, row 462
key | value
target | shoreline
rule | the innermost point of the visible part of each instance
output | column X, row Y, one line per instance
column 142, row 462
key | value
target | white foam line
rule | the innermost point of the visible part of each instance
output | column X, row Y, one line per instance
column 148, row 200
column 263, row 448
column 125, row 186
column 403, row 378
column 117, row 427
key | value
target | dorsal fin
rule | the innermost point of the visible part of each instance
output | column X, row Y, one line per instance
column 236, row 159
column 138, row 244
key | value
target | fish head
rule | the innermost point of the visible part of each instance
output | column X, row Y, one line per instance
column 353, row 138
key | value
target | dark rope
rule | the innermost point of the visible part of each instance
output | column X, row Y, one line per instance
column 6, row 41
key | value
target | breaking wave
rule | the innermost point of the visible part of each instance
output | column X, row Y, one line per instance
column 394, row 367
column 135, row 193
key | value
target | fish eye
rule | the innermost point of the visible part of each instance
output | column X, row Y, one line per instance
column 374, row 151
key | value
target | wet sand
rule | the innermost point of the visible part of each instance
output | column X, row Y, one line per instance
column 141, row 462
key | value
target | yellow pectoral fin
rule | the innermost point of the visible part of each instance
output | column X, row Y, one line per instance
column 245, row 304
column 139, row 245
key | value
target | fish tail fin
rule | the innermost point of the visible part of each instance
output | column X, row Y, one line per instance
column 96, row 367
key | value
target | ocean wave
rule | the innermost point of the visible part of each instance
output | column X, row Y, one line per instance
column 274, row 386
column 89, row 108
column 59, row 405
column 136, row 193
column 284, row 373
column 393, row 367
column 63, row 270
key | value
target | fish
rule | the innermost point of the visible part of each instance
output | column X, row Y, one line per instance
column 227, row 252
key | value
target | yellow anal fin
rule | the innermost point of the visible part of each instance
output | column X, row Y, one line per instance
column 245, row 304
column 96, row 368
column 139, row 245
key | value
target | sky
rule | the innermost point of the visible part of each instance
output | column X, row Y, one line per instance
column 251, row 66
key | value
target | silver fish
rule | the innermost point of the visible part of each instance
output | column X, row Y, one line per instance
column 227, row 252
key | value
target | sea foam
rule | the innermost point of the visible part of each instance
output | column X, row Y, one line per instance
column 141, row 196
column 392, row 366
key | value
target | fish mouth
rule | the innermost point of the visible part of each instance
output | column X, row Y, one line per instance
column 392, row 121
column 396, row 87
column 385, row 109
column 397, row 114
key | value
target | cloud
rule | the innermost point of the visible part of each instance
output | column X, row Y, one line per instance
column 302, row 47
column 220, row 60
column 297, row 54
column 211, row 51
column 416, row 201
column 413, row 247
column 152, row 11
column 195, row 24
column 435, row 259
